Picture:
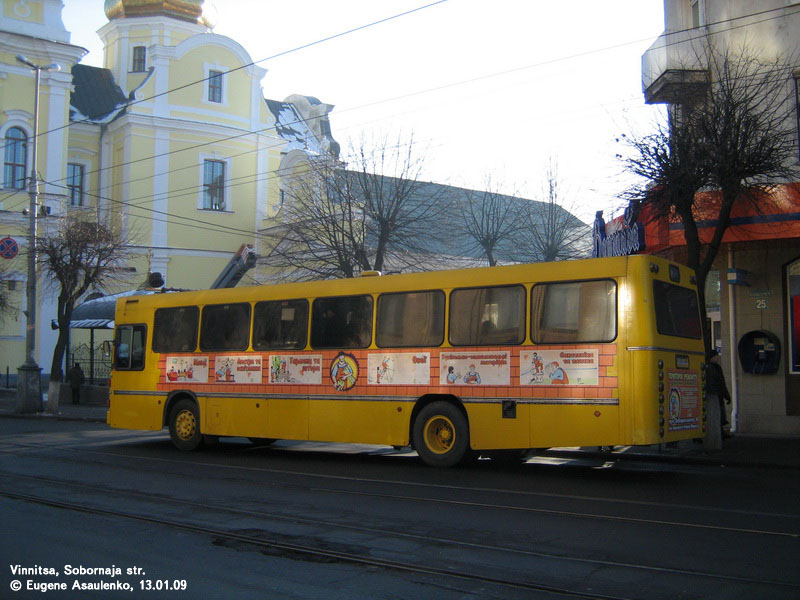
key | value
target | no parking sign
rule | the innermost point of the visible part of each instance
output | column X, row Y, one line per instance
column 8, row 247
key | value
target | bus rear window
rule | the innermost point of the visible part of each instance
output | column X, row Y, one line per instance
column 676, row 310
column 175, row 329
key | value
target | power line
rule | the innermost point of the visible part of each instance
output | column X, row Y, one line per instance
column 501, row 73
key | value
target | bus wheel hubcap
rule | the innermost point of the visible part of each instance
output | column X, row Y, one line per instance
column 440, row 434
column 185, row 424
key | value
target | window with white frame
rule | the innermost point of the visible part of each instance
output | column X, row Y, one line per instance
column 213, row 185
column 215, row 86
column 16, row 155
column 75, row 178
column 139, row 62
column 698, row 9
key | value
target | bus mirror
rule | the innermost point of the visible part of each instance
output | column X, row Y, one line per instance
column 106, row 348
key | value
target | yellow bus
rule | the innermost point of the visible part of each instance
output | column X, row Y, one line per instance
column 596, row 352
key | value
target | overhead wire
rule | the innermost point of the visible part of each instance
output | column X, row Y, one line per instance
column 404, row 96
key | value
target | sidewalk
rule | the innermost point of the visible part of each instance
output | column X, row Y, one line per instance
column 781, row 452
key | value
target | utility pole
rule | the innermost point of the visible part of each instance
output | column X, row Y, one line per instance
column 29, row 385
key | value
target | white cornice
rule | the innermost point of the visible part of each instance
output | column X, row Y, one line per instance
column 184, row 125
column 122, row 26
column 42, row 51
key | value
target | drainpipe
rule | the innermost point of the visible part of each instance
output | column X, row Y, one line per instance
column 733, row 348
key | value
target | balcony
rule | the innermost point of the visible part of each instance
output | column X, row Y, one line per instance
column 673, row 69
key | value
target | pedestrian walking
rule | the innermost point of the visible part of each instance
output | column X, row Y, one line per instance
column 715, row 381
column 76, row 379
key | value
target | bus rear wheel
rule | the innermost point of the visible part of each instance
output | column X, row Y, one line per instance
column 184, row 425
column 441, row 435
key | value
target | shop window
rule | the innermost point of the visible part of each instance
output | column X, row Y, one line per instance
column 793, row 290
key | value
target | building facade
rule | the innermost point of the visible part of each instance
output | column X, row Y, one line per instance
column 172, row 142
column 754, row 295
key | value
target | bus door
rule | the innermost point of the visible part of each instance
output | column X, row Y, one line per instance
column 128, row 379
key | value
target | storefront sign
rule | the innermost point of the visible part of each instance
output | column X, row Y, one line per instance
column 620, row 237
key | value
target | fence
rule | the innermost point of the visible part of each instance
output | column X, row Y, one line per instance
column 95, row 364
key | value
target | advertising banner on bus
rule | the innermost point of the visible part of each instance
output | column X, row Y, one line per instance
column 192, row 369
column 238, row 369
column 303, row 369
column 558, row 367
column 403, row 368
column 482, row 367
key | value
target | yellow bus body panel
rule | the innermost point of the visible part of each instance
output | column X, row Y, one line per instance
column 647, row 387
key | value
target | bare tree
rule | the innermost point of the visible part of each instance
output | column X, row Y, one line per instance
column 491, row 219
column 736, row 140
column 550, row 230
column 339, row 220
column 5, row 301
column 79, row 255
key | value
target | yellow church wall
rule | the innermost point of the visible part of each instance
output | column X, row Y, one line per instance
column 195, row 272
column 192, row 102
column 30, row 12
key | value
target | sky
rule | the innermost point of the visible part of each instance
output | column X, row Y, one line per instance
column 488, row 89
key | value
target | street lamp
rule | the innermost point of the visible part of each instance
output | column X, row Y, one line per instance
column 29, row 386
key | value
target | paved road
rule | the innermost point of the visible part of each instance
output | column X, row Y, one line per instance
column 303, row 520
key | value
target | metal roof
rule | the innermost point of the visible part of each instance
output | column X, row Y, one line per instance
column 99, row 313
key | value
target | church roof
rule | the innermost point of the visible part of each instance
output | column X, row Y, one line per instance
column 96, row 97
column 192, row 11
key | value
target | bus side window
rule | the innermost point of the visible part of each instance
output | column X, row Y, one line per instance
column 487, row 316
column 341, row 322
column 280, row 324
column 225, row 327
column 584, row 311
column 129, row 343
column 175, row 329
column 410, row 319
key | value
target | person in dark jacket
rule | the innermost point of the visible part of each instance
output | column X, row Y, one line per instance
column 76, row 379
column 715, row 381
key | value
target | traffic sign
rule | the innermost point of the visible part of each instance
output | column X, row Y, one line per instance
column 8, row 247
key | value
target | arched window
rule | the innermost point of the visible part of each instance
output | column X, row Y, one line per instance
column 16, row 143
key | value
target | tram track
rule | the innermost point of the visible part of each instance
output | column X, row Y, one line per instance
column 314, row 550
column 660, row 506
column 320, row 553
column 89, row 476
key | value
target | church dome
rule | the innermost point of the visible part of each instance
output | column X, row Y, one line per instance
column 193, row 11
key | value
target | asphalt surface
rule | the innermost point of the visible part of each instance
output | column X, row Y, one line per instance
column 782, row 452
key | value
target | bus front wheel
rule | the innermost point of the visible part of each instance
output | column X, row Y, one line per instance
column 441, row 435
column 184, row 425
